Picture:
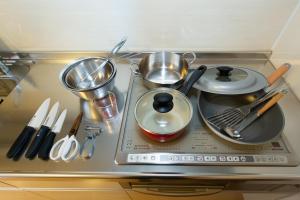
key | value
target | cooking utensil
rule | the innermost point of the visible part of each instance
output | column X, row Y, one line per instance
column 233, row 116
column 164, row 113
column 237, row 80
column 239, row 97
column 265, row 128
column 68, row 147
column 71, row 75
column 42, row 132
column 234, row 131
column 164, row 69
column 22, row 141
column 89, row 145
column 49, row 140
column 89, row 79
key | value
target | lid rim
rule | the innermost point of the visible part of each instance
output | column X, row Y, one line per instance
column 158, row 90
column 254, row 81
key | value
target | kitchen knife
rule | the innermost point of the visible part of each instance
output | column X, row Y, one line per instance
column 20, row 144
column 236, row 130
column 42, row 132
column 48, row 142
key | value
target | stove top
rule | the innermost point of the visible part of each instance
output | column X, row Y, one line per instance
column 197, row 146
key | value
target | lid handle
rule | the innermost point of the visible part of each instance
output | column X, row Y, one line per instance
column 163, row 102
column 224, row 70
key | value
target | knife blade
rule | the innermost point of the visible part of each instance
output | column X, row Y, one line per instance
column 42, row 132
column 236, row 130
column 20, row 144
column 49, row 140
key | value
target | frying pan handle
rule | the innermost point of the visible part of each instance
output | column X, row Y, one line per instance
column 270, row 103
column 189, row 82
column 194, row 57
column 278, row 73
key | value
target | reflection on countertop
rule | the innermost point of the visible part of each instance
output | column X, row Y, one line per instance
column 42, row 82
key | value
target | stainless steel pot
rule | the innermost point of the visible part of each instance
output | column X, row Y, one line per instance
column 165, row 69
column 163, row 114
column 98, row 86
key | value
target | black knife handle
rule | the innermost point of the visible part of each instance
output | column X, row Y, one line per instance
column 46, row 146
column 21, row 143
column 37, row 141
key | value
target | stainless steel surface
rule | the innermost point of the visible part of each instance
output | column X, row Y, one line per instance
column 164, row 69
column 71, row 77
column 102, row 164
column 198, row 145
column 267, row 128
column 10, row 76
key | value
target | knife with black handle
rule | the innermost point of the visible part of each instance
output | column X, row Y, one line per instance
column 49, row 140
column 20, row 144
column 22, row 141
column 42, row 132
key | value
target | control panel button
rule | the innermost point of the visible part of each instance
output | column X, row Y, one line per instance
column 191, row 158
column 207, row 158
column 222, row 158
column 213, row 158
column 229, row 158
column 199, row 158
column 243, row 159
column 236, row 159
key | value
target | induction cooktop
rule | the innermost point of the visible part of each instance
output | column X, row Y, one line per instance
column 197, row 146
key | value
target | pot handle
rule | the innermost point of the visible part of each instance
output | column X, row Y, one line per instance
column 194, row 57
column 278, row 73
column 188, row 83
column 118, row 46
column 135, row 68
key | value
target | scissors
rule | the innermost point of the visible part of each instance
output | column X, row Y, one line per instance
column 68, row 147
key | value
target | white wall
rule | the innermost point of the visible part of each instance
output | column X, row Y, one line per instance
column 287, row 49
column 87, row 25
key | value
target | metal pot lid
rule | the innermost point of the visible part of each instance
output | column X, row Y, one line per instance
column 166, row 118
column 231, row 80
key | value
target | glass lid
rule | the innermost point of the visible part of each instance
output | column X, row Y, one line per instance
column 163, row 111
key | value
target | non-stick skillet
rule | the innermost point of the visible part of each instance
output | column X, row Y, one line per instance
column 225, row 87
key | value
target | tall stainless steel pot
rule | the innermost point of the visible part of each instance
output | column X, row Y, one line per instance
column 165, row 69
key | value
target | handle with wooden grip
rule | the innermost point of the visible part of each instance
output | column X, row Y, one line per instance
column 270, row 103
column 278, row 73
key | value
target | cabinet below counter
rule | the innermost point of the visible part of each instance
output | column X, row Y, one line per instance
column 137, row 189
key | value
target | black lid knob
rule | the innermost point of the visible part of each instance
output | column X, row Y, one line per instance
column 163, row 102
column 224, row 70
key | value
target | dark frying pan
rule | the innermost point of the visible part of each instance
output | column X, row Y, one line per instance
column 267, row 127
column 234, row 87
